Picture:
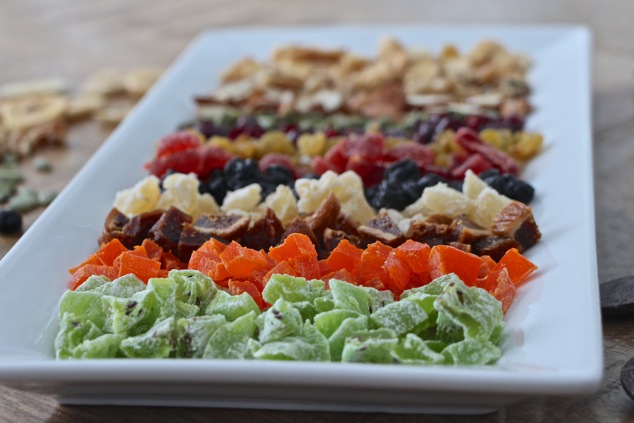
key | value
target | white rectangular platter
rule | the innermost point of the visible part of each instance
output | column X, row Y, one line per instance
column 553, row 340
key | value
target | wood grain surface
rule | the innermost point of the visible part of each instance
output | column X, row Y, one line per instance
column 72, row 38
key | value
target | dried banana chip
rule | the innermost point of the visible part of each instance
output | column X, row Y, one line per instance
column 84, row 106
column 28, row 112
column 112, row 115
column 35, row 87
column 105, row 82
column 138, row 81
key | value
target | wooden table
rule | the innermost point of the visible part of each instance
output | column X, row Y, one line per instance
column 72, row 38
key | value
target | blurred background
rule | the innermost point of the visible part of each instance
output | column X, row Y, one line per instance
column 72, row 39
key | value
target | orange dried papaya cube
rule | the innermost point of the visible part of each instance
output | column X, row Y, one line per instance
column 503, row 289
column 144, row 268
column 213, row 246
column 487, row 265
column 88, row 270
column 294, row 246
column 241, row 261
column 444, row 259
column 398, row 271
column 324, row 269
column 93, row 259
column 306, row 267
column 153, row 250
column 415, row 255
column 371, row 264
column 202, row 263
column 417, row 280
column 110, row 251
column 344, row 256
column 518, row 266
column 237, row 287
column 282, row 268
column 342, row 275
column 169, row 261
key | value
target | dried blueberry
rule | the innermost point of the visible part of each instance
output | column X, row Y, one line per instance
column 215, row 185
column 239, row 173
column 456, row 184
column 267, row 188
column 430, row 179
column 497, row 182
column 519, row 190
column 10, row 221
column 402, row 171
column 370, row 193
column 279, row 175
column 413, row 189
column 390, row 197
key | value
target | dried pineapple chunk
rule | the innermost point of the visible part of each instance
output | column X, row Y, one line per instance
column 283, row 203
column 347, row 187
column 181, row 191
column 141, row 198
column 472, row 185
column 246, row 198
column 487, row 206
column 441, row 199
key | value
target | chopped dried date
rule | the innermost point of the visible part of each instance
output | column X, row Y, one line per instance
column 430, row 233
column 224, row 228
column 383, row 229
column 494, row 246
column 325, row 216
column 299, row 225
column 167, row 230
column 136, row 230
column 264, row 233
column 115, row 221
column 516, row 221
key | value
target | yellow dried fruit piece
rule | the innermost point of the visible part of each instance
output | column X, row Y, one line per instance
column 502, row 139
column 27, row 112
column 283, row 203
column 275, row 142
column 246, row 198
column 527, row 146
column 441, row 199
column 141, row 198
column 472, row 186
column 181, row 191
column 487, row 206
column 312, row 144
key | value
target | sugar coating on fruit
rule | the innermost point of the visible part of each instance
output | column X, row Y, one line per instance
column 441, row 199
column 283, row 203
column 246, row 198
column 487, row 206
column 347, row 187
column 472, row 185
column 141, row 198
column 180, row 191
